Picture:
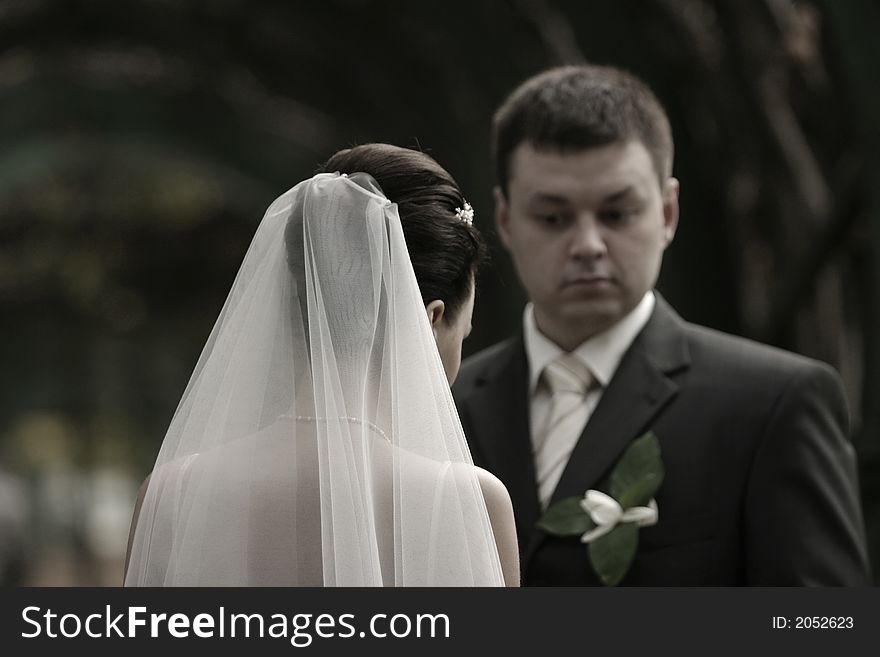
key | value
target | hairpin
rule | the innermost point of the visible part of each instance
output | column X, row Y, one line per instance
column 465, row 214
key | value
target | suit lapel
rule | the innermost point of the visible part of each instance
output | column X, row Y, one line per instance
column 640, row 388
column 500, row 415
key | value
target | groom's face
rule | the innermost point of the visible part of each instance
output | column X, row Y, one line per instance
column 586, row 230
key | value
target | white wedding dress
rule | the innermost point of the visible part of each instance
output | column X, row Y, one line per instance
column 317, row 443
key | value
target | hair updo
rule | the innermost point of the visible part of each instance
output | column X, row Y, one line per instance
column 445, row 251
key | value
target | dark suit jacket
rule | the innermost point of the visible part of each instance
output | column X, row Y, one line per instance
column 760, row 485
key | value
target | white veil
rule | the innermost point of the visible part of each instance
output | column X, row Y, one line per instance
column 317, row 443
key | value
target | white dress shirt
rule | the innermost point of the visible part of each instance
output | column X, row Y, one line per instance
column 601, row 354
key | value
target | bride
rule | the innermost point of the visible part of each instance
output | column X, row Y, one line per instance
column 317, row 443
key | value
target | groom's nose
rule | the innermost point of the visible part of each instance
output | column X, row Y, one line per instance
column 587, row 239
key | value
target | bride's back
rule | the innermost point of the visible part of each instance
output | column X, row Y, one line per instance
column 317, row 442
column 263, row 494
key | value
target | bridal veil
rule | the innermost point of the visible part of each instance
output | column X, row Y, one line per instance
column 317, row 443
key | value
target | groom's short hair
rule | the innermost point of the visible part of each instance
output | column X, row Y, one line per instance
column 571, row 108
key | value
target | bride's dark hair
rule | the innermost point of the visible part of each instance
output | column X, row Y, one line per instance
column 445, row 251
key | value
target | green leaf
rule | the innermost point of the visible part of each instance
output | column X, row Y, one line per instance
column 639, row 473
column 612, row 554
column 566, row 518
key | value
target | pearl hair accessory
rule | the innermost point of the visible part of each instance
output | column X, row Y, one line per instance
column 465, row 214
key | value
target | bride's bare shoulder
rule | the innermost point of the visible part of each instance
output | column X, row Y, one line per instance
column 500, row 509
column 494, row 491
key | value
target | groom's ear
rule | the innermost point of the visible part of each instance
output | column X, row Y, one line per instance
column 670, row 210
column 502, row 214
column 435, row 310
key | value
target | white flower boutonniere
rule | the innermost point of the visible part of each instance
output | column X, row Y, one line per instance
column 609, row 524
column 607, row 514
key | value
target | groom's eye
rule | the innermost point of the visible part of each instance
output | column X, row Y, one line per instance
column 552, row 220
column 617, row 215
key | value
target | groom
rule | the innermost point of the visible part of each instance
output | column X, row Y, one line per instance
column 760, row 485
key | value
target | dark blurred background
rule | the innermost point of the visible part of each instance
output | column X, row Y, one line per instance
column 141, row 141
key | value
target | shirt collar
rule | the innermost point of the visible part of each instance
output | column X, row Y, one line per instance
column 601, row 353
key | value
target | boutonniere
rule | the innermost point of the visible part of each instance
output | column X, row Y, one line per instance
column 609, row 523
